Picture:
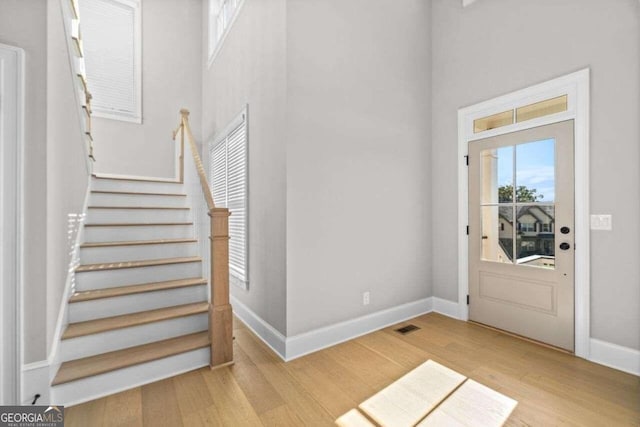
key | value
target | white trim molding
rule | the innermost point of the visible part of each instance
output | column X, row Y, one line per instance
column 317, row 339
column 289, row 348
column 576, row 86
column 466, row 3
column 446, row 307
column 35, row 380
column 263, row 330
column 76, row 224
column 12, row 105
column 615, row 356
column 142, row 177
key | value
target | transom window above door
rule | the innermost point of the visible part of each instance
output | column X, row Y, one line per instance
column 520, row 114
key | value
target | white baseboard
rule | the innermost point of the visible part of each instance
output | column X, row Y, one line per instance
column 35, row 380
column 604, row 353
column 615, row 356
column 309, row 342
column 267, row 333
column 446, row 307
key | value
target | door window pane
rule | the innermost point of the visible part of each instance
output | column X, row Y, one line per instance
column 542, row 108
column 497, row 175
column 494, row 121
column 517, row 212
column 535, row 171
column 535, row 243
column 497, row 232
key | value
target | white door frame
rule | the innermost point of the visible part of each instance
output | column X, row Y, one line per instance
column 576, row 86
column 12, row 68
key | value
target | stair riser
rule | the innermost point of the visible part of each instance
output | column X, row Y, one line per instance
column 91, row 345
column 148, row 232
column 136, row 186
column 135, row 276
column 109, row 216
column 106, row 307
column 137, row 252
column 90, row 388
column 139, row 200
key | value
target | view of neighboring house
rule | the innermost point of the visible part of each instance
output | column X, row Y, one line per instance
column 535, row 233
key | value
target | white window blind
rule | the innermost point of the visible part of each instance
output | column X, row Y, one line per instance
column 228, row 177
column 111, row 39
column 222, row 14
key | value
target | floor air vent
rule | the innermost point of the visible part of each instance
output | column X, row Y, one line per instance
column 406, row 329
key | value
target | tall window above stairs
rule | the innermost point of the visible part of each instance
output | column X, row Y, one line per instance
column 111, row 32
column 222, row 14
column 228, row 158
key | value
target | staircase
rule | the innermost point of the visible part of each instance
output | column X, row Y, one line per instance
column 139, row 309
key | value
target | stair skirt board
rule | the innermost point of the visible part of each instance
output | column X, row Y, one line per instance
column 137, row 215
column 106, row 254
column 98, row 184
column 118, row 339
column 125, row 304
column 110, row 233
column 134, row 276
column 140, row 199
column 86, row 389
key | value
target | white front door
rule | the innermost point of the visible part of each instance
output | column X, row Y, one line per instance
column 521, row 233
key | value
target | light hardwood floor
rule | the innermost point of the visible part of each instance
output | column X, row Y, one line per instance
column 552, row 388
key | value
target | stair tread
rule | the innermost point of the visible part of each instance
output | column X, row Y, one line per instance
column 136, row 242
column 135, row 224
column 133, row 264
column 89, row 327
column 107, row 362
column 115, row 178
column 138, row 193
column 178, row 208
column 135, row 289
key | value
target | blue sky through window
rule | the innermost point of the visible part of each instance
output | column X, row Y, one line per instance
column 535, row 167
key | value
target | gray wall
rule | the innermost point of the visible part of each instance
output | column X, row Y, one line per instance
column 358, row 158
column 496, row 46
column 67, row 169
column 251, row 69
column 24, row 24
column 170, row 81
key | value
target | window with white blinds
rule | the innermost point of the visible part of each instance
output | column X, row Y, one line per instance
column 112, row 52
column 222, row 14
column 228, row 177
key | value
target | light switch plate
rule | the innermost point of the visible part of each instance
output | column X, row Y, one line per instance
column 601, row 222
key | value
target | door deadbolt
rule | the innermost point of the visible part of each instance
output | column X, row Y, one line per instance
column 564, row 246
column 565, row 230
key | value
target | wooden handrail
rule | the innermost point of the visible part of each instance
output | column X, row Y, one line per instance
column 220, row 313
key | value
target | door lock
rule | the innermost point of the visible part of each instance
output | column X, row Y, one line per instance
column 564, row 246
column 565, row 230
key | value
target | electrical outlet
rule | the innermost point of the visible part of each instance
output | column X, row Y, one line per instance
column 365, row 298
